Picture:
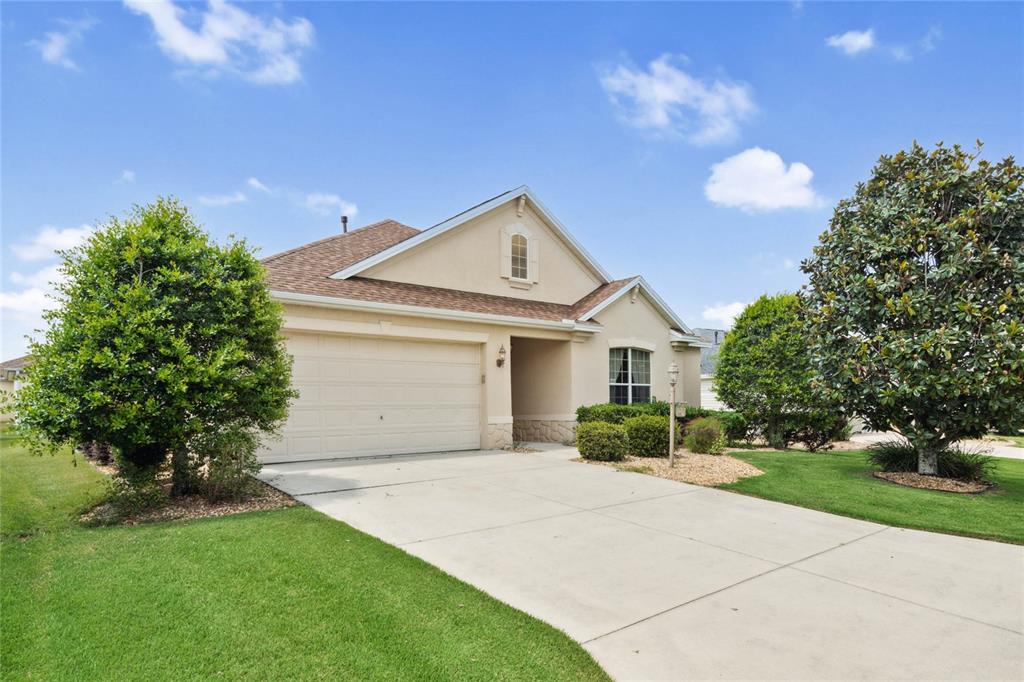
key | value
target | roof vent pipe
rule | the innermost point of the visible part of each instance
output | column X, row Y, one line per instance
column 344, row 224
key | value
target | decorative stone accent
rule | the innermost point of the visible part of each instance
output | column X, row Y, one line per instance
column 544, row 431
column 499, row 437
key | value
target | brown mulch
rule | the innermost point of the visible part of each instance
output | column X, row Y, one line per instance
column 191, row 507
column 707, row 470
column 946, row 485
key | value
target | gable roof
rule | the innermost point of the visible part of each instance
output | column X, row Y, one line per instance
column 465, row 216
column 305, row 274
column 16, row 363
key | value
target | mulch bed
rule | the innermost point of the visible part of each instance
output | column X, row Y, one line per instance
column 706, row 470
column 191, row 507
column 946, row 485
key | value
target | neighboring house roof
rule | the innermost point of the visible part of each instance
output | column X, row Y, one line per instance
column 16, row 363
column 313, row 273
column 709, row 354
column 467, row 215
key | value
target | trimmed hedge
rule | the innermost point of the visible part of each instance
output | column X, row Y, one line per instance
column 601, row 441
column 734, row 424
column 614, row 413
column 647, row 435
column 705, row 436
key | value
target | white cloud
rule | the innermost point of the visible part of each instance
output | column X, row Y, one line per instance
column 852, row 42
column 759, row 180
column 127, row 176
column 788, row 263
column 50, row 239
column 54, row 47
column 666, row 99
column 41, row 279
column 325, row 204
column 254, row 183
column 227, row 39
column 223, row 199
column 724, row 314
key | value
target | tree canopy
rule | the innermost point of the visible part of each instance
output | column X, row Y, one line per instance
column 915, row 300
column 160, row 335
column 764, row 371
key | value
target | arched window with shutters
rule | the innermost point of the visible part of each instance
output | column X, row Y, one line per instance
column 519, row 250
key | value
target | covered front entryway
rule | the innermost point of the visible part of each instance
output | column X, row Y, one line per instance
column 541, row 390
column 362, row 396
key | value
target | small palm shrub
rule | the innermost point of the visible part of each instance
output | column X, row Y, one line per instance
column 601, row 441
column 231, row 462
column 705, row 436
column 954, row 462
column 647, row 436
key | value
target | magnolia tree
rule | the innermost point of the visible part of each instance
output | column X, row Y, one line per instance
column 161, row 339
column 915, row 300
column 764, row 372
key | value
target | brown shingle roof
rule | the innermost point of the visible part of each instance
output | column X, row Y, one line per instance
column 17, row 363
column 307, row 270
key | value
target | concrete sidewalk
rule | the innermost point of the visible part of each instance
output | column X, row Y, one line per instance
column 995, row 448
column 663, row 580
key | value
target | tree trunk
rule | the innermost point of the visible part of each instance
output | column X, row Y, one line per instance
column 928, row 461
column 182, row 476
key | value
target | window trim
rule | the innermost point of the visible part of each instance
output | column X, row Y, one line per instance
column 629, row 373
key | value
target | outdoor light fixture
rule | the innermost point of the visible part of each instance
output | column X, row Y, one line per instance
column 501, row 356
column 673, row 379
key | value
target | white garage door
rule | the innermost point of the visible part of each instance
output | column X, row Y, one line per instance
column 362, row 396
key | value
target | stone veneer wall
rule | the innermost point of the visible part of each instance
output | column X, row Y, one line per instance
column 544, row 431
column 499, row 437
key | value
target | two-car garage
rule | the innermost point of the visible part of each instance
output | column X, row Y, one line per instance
column 362, row 396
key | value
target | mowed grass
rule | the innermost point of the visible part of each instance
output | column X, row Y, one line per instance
column 842, row 483
column 286, row 594
column 43, row 493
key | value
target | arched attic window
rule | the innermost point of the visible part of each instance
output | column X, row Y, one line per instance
column 519, row 254
column 520, row 257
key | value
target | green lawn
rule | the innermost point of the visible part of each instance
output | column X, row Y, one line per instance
column 841, row 483
column 286, row 594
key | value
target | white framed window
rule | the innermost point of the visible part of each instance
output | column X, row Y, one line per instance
column 520, row 257
column 629, row 376
column 519, row 251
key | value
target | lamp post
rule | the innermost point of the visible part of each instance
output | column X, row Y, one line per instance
column 673, row 379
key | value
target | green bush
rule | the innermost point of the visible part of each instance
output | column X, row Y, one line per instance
column 601, row 441
column 614, row 413
column 898, row 455
column 231, row 462
column 705, row 436
column 135, row 489
column 647, row 435
column 733, row 423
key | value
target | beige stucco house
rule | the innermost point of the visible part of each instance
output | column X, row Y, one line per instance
column 10, row 381
column 489, row 327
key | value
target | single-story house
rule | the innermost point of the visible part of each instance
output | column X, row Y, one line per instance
column 10, row 381
column 490, row 327
column 708, row 361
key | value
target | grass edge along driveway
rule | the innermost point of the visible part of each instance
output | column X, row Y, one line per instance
column 842, row 483
column 288, row 593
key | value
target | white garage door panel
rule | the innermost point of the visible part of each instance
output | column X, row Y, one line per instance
column 361, row 396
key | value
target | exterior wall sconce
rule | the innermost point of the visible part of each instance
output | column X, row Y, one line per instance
column 501, row 356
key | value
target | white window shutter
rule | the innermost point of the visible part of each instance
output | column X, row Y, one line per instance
column 506, row 253
column 534, row 259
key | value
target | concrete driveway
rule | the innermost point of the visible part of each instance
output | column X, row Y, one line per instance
column 663, row 580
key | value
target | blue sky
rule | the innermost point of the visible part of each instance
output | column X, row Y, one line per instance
column 701, row 145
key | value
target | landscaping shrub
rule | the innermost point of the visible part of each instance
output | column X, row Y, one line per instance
column 647, row 435
column 601, row 441
column 705, row 436
column 954, row 462
column 614, row 413
column 733, row 423
column 231, row 462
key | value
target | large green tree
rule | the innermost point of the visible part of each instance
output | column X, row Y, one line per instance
column 915, row 300
column 160, row 335
column 764, row 372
